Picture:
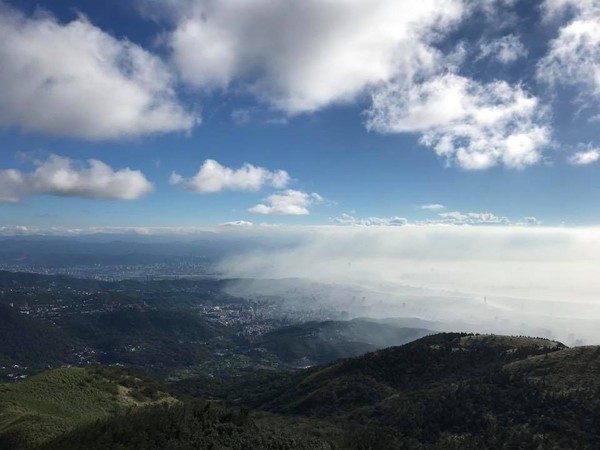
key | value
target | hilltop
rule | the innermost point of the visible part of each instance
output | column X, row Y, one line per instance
column 441, row 359
column 454, row 391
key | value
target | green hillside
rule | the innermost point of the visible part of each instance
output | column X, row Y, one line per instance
column 443, row 358
column 444, row 391
column 455, row 391
column 52, row 403
column 26, row 341
column 153, row 342
column 195, row 425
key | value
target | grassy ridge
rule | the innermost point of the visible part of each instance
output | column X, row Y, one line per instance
column 55, row 402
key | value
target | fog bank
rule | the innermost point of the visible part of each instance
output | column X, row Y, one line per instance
column 501, row 279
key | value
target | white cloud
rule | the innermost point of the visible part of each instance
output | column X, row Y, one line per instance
column 302, row 55
column 288, row 202
column 213, row 177
column 446, row 218
column 64, row 177
column 573, row 58
column 471, row 124
column 432, row 206
column 506, row 49
column 15, row 230
column 530, row 220
column 585, row 157
column 132, row 230
column 76, row 80
column 471, row 218
column 237, row 223
column 346, row 219
column 555, row 8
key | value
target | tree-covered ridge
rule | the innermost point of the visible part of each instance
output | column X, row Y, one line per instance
column 445, row 391
column 55, row 402
column 193, row 425
column 441, row 358
column 456, row 391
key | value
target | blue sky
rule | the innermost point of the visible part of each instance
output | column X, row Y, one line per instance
column 372, row 108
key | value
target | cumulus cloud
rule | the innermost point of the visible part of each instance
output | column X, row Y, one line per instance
column 584, row 157
column 432, row 206
column 67, row 178
column 300, row 56
column 213, row 177
column 346, row 219
column 76, row 80
column 288, row 202
column 573, row 58
column 506, row 49
column 471, row 124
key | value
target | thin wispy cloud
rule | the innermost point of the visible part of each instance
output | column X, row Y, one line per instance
column 459, row 218
column 573, row 57
column 237, row 223
column 432, row 206
column 506, row 49
column 347, row 219
column 584, row 158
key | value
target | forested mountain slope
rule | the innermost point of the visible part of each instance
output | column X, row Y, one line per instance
column 444, row 391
